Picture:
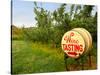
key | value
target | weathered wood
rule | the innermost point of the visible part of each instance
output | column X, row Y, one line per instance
column 65, row 59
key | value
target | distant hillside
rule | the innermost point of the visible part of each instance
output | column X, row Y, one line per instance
column 15, row 30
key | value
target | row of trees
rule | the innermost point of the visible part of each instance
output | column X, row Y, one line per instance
column 51, row 26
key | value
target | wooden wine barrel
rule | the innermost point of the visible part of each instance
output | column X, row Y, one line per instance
column 76, row 42
column 86, row 36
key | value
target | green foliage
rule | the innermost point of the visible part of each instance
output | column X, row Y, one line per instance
column 61, row 18
column 52, row 25
column 87, row 10
column 43, row 17
column 62, row 21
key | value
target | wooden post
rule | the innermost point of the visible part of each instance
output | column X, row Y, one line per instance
column 77, row 62
column 65, row 59
column 82, row 63
column 90, row 59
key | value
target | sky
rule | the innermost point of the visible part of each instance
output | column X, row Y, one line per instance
column 23, row 12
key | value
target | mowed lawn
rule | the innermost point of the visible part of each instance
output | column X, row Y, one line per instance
column 28, row 57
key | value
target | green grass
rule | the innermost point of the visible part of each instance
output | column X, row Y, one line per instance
column 28, row 57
